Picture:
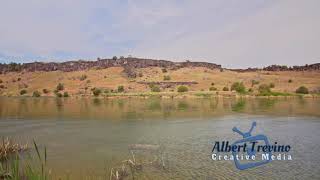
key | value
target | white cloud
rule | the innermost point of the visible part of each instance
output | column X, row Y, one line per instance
column 232, row 33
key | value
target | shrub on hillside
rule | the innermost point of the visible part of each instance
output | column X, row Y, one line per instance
column 164, row 70
column 120, row 88
column 212, row 88
column 225, row 88
column 212, row 84
column 239, row 87
column 45, row 91
column 302, row 90
column 290, row 81
column 83, row 77
column 23, row 91
column 271, row 85
column 66, row 94
column 1, row 81
column 166, row 78
column 264, row 89
column 182, row 89
column 36, row 94
column 155, row 88
column 60, row 87
column 96, row 91
column 254, row 82
column 58, row 94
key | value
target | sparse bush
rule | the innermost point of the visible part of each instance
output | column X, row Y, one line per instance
column 212, row 84
column 271, row 85
column 23, row 91
column 106, row 91
column 225, row 88
column 45, row 91
column 212, row 88
column 164, row 70
column 114, row 58
column 290, row 81
column 2, row 86
column 83, row 77
column 58, row 94
column 19, row 79
column 120, row 88
column 166, row 78
column 140, row 74
column 155, row 88
column 66, row 94
column 239, row 87
column 264, row 89
column 121, row 57
column 96, row 92
column 250, row 90
column 60, row 87
column 302, row 90
column 1, row 81
column 36, row 94
column 182, row 89
column 254, row 82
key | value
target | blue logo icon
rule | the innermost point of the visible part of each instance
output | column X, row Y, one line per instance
column 247, row 137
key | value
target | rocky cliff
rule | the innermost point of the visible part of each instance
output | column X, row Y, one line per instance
column 129, row 65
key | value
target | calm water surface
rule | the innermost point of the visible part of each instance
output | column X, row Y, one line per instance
column 87, row 137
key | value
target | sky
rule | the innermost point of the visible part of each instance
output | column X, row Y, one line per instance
column 233, row 33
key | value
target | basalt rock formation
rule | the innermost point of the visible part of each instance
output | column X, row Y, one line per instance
column 164, row 84
column 129, row 65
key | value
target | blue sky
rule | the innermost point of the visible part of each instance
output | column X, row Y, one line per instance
column 236, row 34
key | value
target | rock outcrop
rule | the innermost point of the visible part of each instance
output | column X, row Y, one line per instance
column 129, row 65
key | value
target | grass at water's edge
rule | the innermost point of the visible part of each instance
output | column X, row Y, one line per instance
column 18, row 165
column 193, row 94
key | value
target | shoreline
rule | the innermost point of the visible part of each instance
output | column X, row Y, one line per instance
column 177, row 95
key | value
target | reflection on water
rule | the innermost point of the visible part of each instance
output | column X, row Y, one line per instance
column 155, row 108
column 87, row 136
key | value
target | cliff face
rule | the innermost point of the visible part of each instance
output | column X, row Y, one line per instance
column 129, row 65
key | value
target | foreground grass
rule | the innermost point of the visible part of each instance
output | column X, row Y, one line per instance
column 17, row 165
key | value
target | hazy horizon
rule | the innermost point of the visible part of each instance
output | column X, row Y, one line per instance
column 234, row 34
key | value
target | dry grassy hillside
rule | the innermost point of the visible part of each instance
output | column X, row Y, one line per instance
column 81, row 82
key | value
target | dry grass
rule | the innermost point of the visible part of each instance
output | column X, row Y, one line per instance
column 111, row 78
column 9, row 147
